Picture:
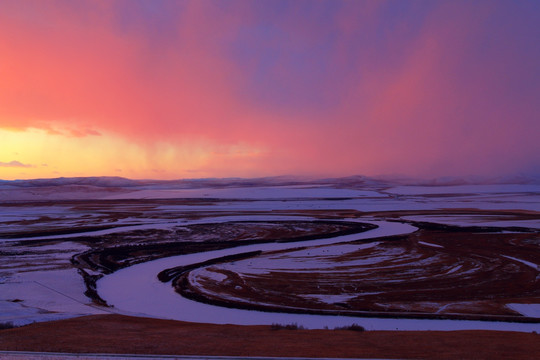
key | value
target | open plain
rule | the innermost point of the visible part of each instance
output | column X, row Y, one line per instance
column 442, row 264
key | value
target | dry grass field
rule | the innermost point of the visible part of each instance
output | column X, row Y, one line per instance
column 122, row 334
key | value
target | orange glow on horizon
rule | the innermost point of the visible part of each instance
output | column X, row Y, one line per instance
column 106, row 154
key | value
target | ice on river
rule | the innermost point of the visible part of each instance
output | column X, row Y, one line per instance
column 128, row 291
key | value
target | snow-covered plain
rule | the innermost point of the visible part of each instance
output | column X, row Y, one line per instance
column 43, row 296
column 44, row 286
column 40, row 284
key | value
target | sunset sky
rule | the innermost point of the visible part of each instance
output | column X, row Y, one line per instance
column 192, row 89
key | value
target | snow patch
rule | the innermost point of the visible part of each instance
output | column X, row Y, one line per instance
column 528, row 263
column 330, row 299
column 531, row 310
column 430, row 244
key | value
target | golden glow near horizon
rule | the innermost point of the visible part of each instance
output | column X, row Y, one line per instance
column 45, row 154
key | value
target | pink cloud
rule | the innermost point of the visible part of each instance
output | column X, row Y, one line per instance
column 455, row 96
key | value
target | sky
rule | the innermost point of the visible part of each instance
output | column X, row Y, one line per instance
column 194, row 89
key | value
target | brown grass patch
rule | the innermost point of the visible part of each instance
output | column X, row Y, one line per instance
column 123, row 334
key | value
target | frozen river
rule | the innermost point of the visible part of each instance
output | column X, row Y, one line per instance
column 137, row 291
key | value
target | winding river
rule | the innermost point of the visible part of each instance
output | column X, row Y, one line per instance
column 137, row 291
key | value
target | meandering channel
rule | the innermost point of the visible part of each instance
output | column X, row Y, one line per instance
column 136, row 290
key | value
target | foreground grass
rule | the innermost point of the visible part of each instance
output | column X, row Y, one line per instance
column 122, row 334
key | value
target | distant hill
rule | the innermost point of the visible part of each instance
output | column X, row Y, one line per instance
column 356, row 181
